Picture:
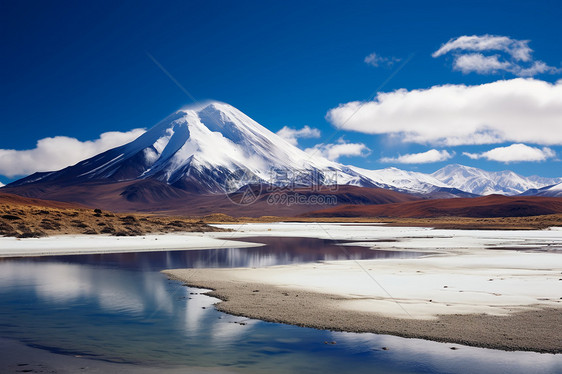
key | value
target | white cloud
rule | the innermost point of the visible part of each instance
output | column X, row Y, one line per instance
column 509, row 55
column 291, row 135
column 518, row 110
column 59, row 152
column 433, row 155
column 514, row 153
column 477, row 62
column 341, row 148
column 538, row 67
column 518, row 49
column 376, row 60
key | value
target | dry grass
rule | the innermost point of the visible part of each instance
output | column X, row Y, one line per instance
column 497, row 223
column 27, row 221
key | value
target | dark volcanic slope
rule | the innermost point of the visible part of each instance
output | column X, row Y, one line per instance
column 480, row 207
column 158, row 197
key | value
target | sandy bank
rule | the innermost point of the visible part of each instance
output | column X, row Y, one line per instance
column 495, row 299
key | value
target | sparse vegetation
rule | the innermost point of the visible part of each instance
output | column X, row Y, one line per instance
column 26, row 221
column 466, row 223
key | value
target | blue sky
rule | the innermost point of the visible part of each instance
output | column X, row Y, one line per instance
column 78, row 70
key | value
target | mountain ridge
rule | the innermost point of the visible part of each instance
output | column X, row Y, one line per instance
column 215, row 149
column 481, row 182
column 548, row 191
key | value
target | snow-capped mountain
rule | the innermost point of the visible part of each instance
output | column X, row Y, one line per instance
column 550, row 191
column 209, row 148
column 215, row 148
column 402, row 180
column 481, row 182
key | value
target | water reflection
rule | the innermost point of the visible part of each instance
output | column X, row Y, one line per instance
column 67, row 284
column 277, row 251
column 441, row 358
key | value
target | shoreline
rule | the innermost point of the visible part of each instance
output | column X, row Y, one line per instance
column 229, row 235
column 525, row 331
column 505, row 309
column 102, row 244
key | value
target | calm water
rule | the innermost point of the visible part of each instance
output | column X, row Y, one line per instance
column 120, row 308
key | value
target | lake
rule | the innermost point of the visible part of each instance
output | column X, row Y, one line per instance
column 120, row 308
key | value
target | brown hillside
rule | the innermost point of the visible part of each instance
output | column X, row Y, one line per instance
column 160, row 198
column 11, row 199
column 479, row 207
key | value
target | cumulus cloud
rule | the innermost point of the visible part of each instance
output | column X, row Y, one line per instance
column 514, row 153
column 59, row 152
column 477, row 62
column 334, row 151
column 504, row 55
column 292, row 135
column 518, row 110
column 433, row 155
column 538, row 67
column 377, row 60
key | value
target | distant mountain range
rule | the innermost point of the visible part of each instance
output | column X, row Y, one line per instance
column 201, row 154
column 480, row 182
